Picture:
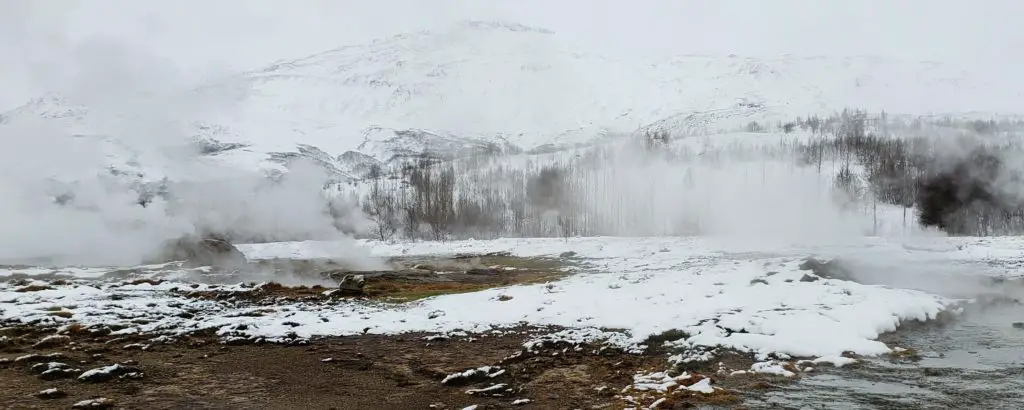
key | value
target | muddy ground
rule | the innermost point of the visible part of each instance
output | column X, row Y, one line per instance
column 360, row 372
column 51, row 367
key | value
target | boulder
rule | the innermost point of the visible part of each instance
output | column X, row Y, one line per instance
column 833, row 269
column 352, row 284
column 209, row 250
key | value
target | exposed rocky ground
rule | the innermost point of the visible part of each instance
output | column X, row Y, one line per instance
column 66, row 364
column 244, row 335
column 503, row 369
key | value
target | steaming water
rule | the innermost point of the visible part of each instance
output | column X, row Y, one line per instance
column 975, row 362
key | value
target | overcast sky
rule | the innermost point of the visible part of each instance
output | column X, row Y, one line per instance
column 200, row 37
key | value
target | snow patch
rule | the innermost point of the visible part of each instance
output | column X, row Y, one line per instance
column 626, row 290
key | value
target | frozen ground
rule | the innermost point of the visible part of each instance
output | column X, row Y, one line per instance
column 750, row 298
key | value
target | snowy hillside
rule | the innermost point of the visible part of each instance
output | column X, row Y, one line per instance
column 494, row 87
column 522, row 85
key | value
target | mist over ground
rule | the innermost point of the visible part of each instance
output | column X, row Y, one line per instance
column 63, row 204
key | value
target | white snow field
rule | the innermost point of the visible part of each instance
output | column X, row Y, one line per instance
column 750, row 298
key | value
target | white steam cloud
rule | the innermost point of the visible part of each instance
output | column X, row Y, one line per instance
column 64, row 205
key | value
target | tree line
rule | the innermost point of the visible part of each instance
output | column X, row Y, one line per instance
column 960, row 183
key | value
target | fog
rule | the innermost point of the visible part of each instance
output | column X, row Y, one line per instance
column 139, row 107
column 204, row 37
column 753, row 196
column 133, row 64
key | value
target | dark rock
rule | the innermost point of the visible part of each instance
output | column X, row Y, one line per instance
column 758, row 280
column 58, row 373
column 211, row 250
column 568, row 254
column 482, row 271
column 42, row 367
column 498, row 254
column 833, row 269
column 809, row 278
column 1018, row 325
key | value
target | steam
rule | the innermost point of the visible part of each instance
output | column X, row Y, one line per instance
column 752, row 197
column 70, row 196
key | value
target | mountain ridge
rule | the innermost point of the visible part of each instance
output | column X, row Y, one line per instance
column 491, row 85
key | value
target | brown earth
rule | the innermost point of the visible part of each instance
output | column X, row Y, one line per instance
column 202, row 371
column 360, row 372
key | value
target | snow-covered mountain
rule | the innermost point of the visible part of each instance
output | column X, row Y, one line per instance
column 479, row 86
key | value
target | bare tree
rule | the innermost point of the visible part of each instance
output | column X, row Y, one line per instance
column 382, row 208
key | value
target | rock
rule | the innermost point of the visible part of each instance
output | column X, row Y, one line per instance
column 97, row 403
column 758, row 281
column 833, row 269
column 482, row 271
column 1018, row 325
column 568, row 254
column 211, row 250
column 42, row 367
column 51, row 341
column 57, row 374
column 494, row 390
column 50, row 394
column 497, row 254
column 53, row 371
column 809, row 278
column 107, row 373
column 35, row 358
column 472, row 376
column 352, row 284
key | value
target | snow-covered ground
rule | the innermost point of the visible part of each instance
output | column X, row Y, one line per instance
column 750, row 297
